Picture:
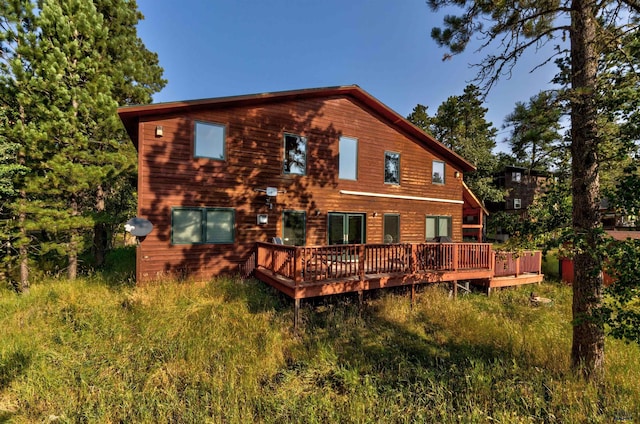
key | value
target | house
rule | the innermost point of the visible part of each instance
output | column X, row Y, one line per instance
column 615, row 219
column 323, row 166
column 521, row 186
column 474, row 217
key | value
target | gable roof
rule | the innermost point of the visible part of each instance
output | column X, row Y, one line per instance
column 471, row 199
column 131, row 115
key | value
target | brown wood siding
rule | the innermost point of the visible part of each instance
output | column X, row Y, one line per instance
column 170, row 176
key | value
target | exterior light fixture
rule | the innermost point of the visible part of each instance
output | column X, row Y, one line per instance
column 159, row 132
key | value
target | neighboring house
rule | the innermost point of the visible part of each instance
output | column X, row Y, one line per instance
column 521, row 186
column 613, row 219
column 313, row 167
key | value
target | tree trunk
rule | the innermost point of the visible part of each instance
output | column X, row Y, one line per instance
column 100, row 235
column 23, row 251
column 587, row 353
column 72, row 254
column 72, row 270
column 24, row 270
column 100, row 243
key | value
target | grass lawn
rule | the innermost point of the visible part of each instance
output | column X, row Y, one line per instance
column 224, row 351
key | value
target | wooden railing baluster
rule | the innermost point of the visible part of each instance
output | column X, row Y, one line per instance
column 318, row 263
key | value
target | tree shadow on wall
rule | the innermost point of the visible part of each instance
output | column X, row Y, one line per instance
column 254, row 160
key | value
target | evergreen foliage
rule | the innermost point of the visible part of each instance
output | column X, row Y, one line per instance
column 65, row 70
column 535, row 139
column 419, row 117
column 622, row 309
column 593, row 30
column 460, row 124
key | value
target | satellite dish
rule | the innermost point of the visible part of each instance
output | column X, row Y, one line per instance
column 138, row 227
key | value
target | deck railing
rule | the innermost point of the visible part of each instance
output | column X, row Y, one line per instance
column 278, row 258
column 318, row 263
column 514, row 264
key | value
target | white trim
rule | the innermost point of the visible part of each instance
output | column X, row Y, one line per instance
column 397, row 196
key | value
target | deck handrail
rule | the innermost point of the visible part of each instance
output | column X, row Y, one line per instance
column 318, row 263
column 278, row 258
column 517, row 263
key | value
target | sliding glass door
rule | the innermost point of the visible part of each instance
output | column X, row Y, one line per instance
column 346, row 228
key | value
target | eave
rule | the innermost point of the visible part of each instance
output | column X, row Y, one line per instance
column 132, row 115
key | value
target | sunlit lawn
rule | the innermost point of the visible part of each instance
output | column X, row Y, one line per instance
column 225, row 351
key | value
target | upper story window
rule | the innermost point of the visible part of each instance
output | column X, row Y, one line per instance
column 295, row 154
column 391, row 168
column 209, row 141
column 348, row 159
column 437, row 172
column 516, row 176
column 202, row 225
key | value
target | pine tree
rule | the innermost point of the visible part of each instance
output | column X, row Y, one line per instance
column 592, row 29
column 420, row 118
column 17, row 38
column 535, row 132
column 66, row 68
column 76, row 113
column 136, row 76
column 460, row 124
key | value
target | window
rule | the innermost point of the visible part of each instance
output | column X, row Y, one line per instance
column 295, row 154
column 391, row 168
column 209, row 141
column 517, row 203
column 437, row 172
column 348, row 159
column 202, row 225
column 438, row 226
column 391, row 228
column 516, row 177
column 293, row 227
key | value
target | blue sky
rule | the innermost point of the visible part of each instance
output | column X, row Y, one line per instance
column 213, row 48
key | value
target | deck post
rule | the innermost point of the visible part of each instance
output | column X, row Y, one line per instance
column 273, row 259
column 298, row 266
column 539, row 254
column 414, row 258
column 360, row 302
column 455, row 257
column 361, row 261
column 492, row 261
column 296, row 313
column 454, row 288
column 517, row 265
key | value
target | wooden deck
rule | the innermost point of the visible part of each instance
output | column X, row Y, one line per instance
column 311, row 271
